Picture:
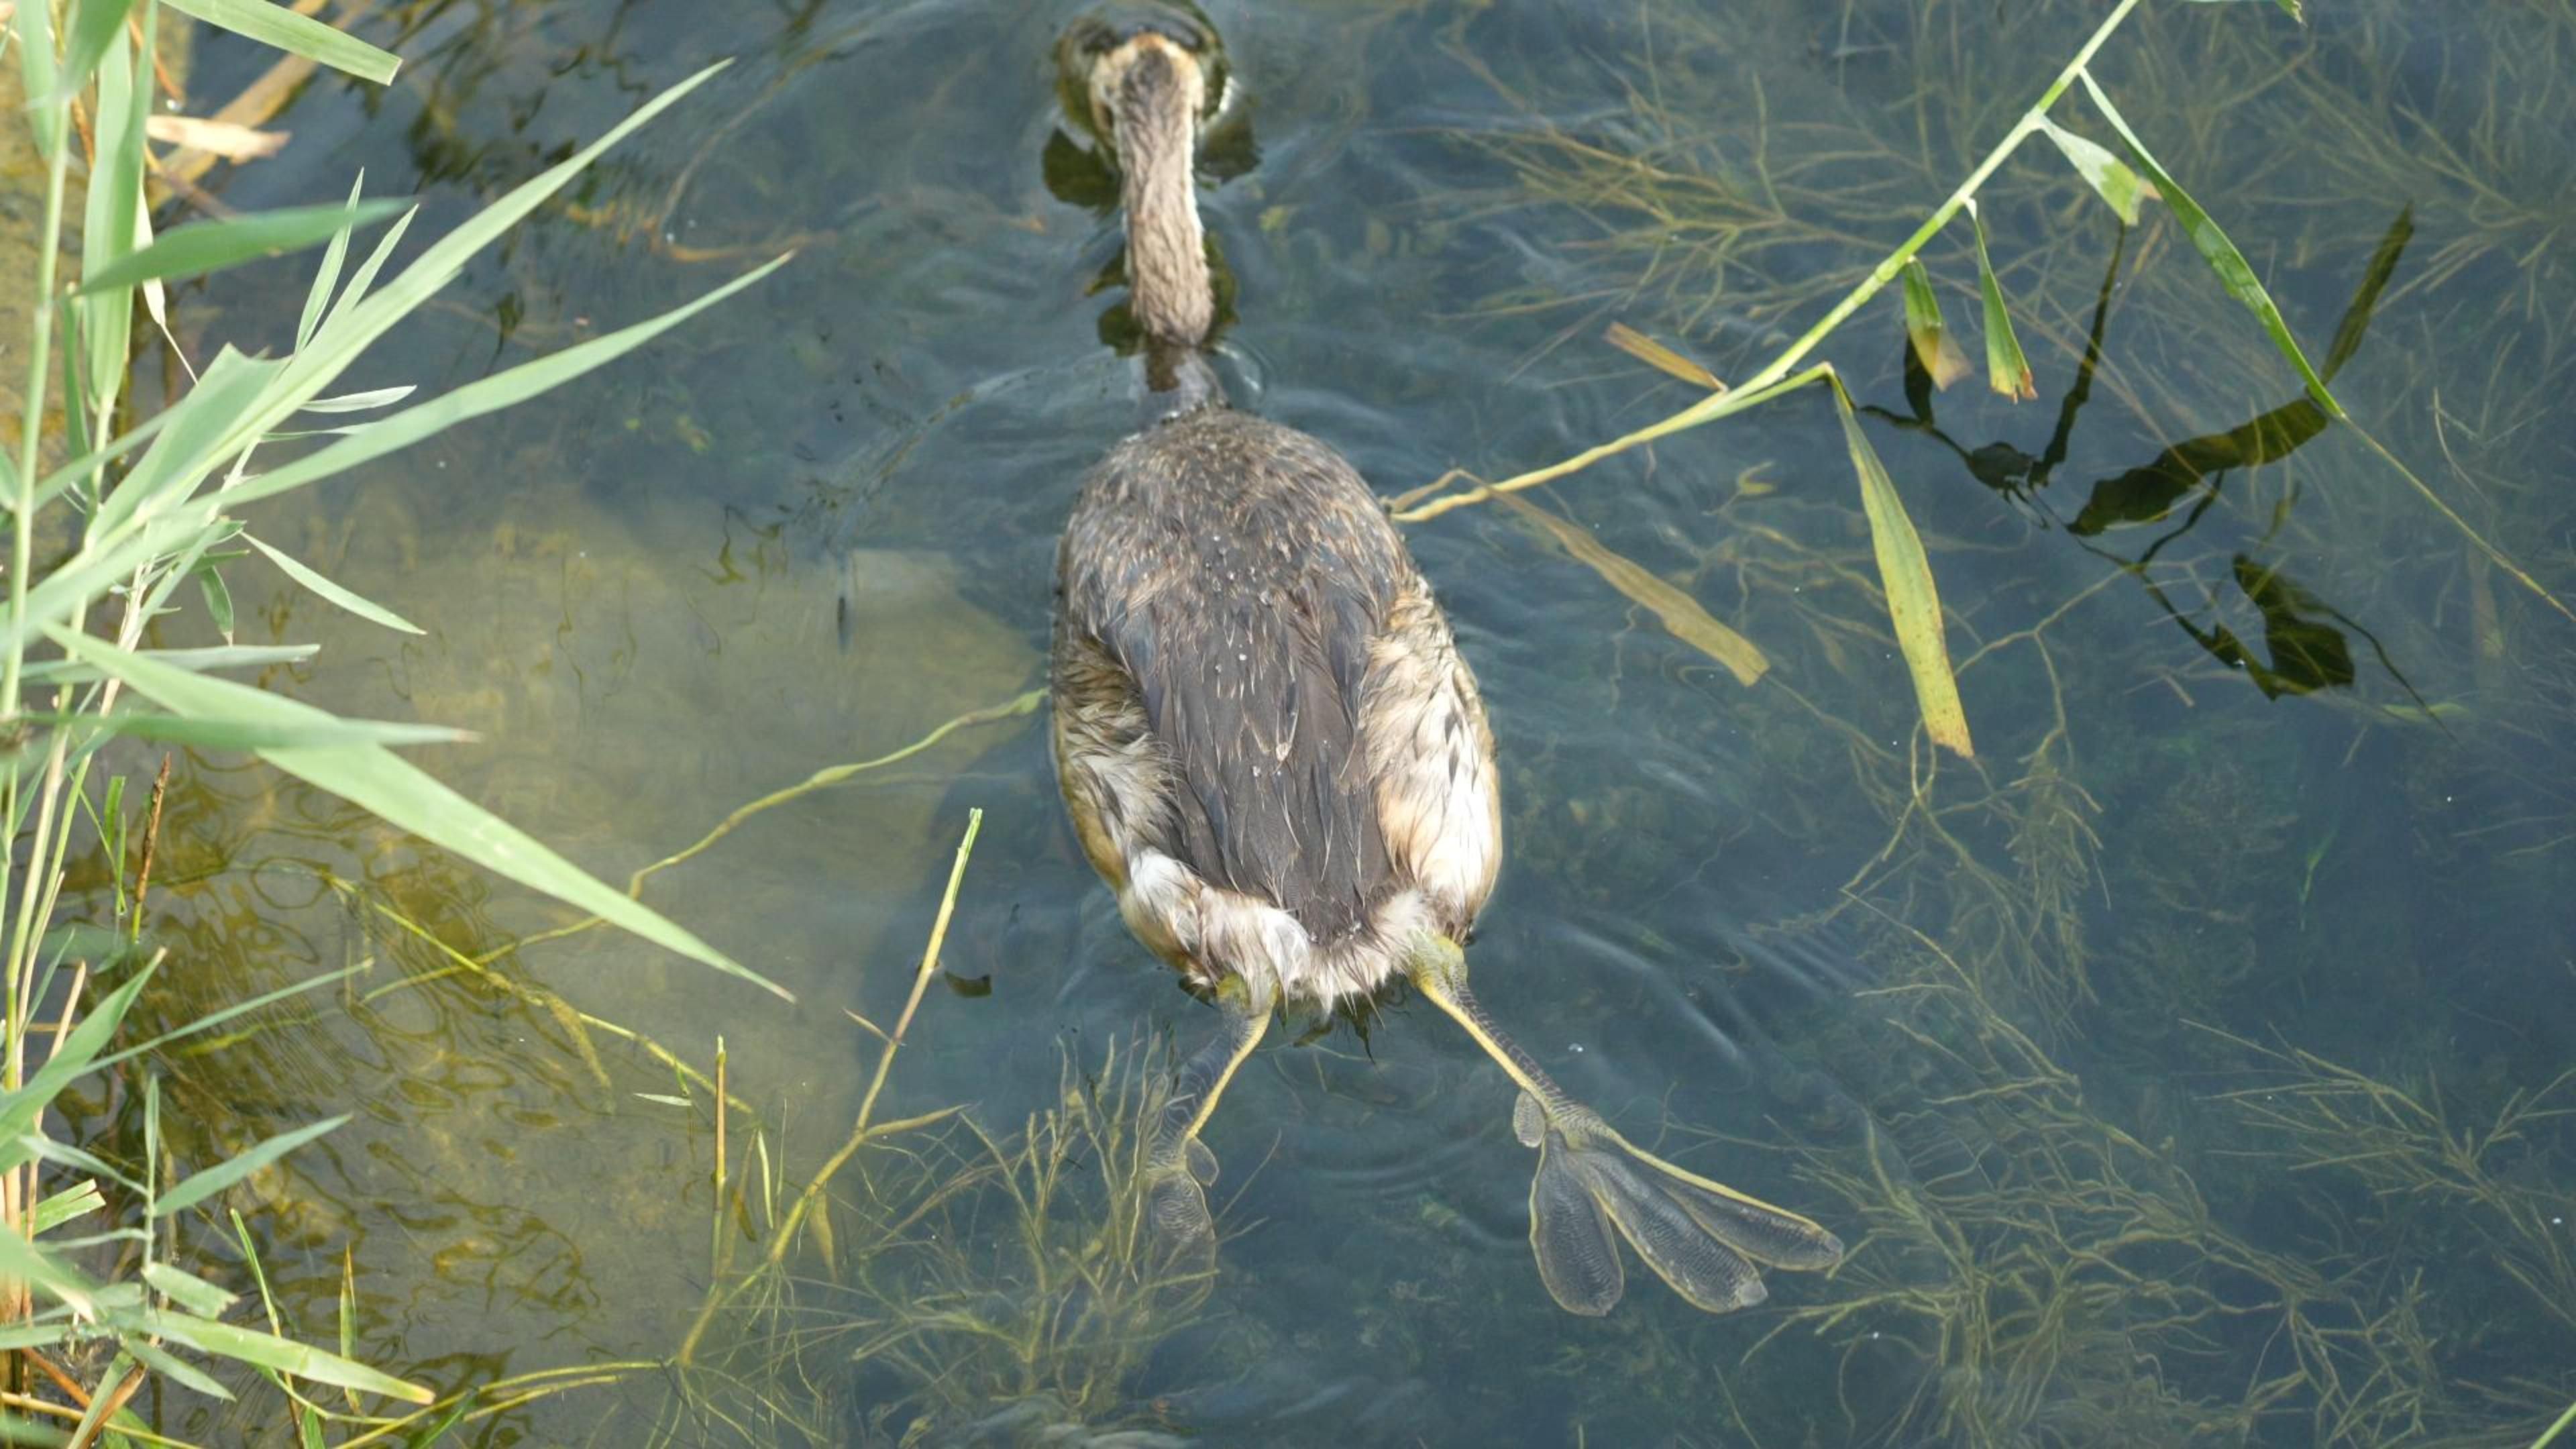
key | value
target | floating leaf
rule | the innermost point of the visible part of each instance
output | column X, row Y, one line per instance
column 2109, row 176
column 1680, row 613
column 1913, row 604
column 223, row 138
column 2233, row 272
column 1656, row 355
column 2007, row 370
column 1939, row 353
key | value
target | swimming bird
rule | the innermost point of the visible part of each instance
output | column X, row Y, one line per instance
column 1272, row 750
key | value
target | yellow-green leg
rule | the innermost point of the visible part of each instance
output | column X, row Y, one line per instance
column 1178, row 1166
column 1701, row 1237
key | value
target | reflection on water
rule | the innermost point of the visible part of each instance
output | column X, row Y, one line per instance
column 2181, row 1070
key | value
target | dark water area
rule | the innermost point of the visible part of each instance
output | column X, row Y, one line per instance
column 2184, row 1069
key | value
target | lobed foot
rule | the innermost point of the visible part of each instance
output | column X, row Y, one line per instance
column 1701, row 1237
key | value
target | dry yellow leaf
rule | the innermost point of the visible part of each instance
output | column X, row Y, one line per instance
column 1913, row 604
column 1680, row 613
column 1656, row 355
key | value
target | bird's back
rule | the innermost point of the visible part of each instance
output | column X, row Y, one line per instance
column 1238, row 573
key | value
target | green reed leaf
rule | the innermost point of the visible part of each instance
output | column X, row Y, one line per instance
column 172, row 1367
column 2007, row 370
column 285, row 1356
column 187, row 1289
column 362, row 607
column 1933, row 345
column 113, row 216
column 329, row 732
column 1913, row 603
column 2111, row 179
column 98, row 22
column 202, row 1185
column 34, row 25
column 401, row 794
column 2211, row 242
column 211, row 246
column 327, row 276
column 500, row 390
column 79, row 1200
column 229, row 656
column 275, row 25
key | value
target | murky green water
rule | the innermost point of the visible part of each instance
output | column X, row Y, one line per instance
column 2274, row 760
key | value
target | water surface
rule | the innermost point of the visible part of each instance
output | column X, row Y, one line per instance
column 2273, row 776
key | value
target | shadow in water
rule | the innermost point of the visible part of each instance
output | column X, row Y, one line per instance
column 2304, row 643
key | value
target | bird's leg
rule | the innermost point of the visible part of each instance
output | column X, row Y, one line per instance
column 1178, row 1166
column 1701, row 1237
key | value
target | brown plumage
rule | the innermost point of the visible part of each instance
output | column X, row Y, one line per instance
column 1271, row 749
column 1275, row 753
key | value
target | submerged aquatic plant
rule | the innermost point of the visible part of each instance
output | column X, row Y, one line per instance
column 983, row 1287
column 130, row 514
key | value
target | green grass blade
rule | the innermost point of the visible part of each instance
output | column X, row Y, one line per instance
column 1913, row 604
column 363, row 279
column 172, row 1367
column 200, row 433
column 347, row 332
column 202, row 1185
column 34, row 25
column 1933, row 345
column 295, row 34
column 2007, row 370
column 227, row 656
column 500, row 390
column 2211, row 242
column 402, row 795
column 268, row 1351
column 63, row 1154
column 109, row 219
column 79, row 1200
column 327, row 276
column 104, row 1400
column 98, row 22
column 187, row 1289
column 219, row 600
column 328, row 733
column 2111, row 179
column 364, row 608
column 361, row 402
column 78, row 468
column 71, row 1057
column 211, row 246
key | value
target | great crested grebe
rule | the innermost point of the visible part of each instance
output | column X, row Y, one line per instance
column 1272, row 751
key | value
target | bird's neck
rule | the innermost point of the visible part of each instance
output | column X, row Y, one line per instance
column 1167, row 271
